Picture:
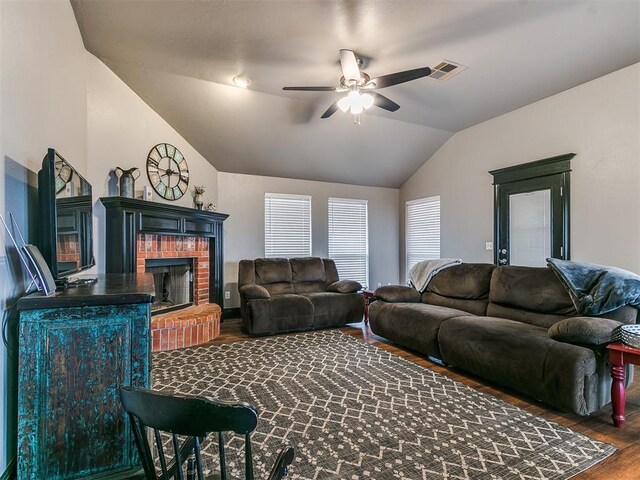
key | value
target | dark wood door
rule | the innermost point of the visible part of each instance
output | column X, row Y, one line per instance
column 531, row 212
column 531, row 221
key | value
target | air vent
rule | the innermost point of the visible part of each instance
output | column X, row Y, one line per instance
column 445, row 70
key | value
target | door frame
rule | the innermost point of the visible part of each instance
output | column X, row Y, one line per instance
column 549, row 173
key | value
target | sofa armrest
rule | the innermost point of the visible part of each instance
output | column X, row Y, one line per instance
column 397, row 294
column 253, row 291
column 584, row 330
column 344, row 286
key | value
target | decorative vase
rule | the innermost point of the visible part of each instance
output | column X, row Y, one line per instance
column 197, row 199
column 127, row 181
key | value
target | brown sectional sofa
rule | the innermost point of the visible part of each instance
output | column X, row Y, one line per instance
column 515, row 326
column 283, row 295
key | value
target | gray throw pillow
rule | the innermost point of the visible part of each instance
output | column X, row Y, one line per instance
column 584, row 330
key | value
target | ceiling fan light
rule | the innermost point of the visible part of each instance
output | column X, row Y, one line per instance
column 366, row 100
column 357, row 109
column 344, row 104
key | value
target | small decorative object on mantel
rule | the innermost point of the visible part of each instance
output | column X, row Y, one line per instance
column 127, row 181
column 147, row 193
column 211, row 207
column 197, row 196
column 168, row 171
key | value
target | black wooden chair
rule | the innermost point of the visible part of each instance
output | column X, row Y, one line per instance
column 194, row 418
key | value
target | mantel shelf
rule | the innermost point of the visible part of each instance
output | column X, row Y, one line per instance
column 145, row 206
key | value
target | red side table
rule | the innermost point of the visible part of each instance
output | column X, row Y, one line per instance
column 619, row 356
column 367, row 295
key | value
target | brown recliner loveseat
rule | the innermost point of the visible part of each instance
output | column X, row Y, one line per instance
column 283, row 295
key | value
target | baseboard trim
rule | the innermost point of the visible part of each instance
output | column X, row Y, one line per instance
column 228, row 313
column 10, row 472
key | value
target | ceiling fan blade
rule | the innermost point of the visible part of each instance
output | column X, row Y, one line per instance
column 383, row 102
column 311, row 89
column 331, row 110
column 349, row 63
column 400, row 77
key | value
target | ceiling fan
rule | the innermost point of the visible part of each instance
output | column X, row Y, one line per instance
column 360, row 87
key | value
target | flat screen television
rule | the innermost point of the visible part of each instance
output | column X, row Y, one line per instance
column 66, row 217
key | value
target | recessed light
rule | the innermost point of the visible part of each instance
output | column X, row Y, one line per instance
column 240, row 81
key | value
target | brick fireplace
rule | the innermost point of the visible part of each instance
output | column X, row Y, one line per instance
column 192, row 325
column 139, row 230
column 171, row 246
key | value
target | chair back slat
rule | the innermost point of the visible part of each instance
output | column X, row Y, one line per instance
column 143, row 447
column 248, row 457
column 223, row 457
column 179, row 459
column 193, row 418
column 198, row 459
column 161, row 456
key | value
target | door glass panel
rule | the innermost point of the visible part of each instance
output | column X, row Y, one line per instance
column 530, row 228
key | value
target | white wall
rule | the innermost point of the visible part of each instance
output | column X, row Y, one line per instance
column 242, row 197
column 599, row 121
column 121, row 130
column 43, row 104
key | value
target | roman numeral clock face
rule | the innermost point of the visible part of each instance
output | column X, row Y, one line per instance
column 167, row 171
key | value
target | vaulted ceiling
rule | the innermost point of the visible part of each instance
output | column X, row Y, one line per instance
column 180, row 57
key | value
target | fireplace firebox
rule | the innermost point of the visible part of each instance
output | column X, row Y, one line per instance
column 173, row 279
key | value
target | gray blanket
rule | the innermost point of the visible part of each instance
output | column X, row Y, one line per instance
column 422, row 272
column 597, row 289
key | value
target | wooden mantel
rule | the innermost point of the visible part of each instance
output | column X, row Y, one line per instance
column 128, row 217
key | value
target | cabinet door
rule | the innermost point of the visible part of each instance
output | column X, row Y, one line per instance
column 72, row 363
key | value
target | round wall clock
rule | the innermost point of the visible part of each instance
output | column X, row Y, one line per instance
column 167, row 171
column 63, row 175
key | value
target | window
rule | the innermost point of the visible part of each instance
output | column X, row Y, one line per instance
column 423, row 230
column 349, row 238
column 287, row 225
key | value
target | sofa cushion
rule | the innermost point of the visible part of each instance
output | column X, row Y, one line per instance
column 330, row 270
column 544, row 320
column 278, row 314
column 307, row 269
column 344, row 286
column 470, row 305
column 272, row 270
column 414, row 325
column 335, row 309
column 467, row 280
column 626, row 314
column 530, row 288
column 584, row 330
column 524, row 358
column 246, row 272
column 308, row 274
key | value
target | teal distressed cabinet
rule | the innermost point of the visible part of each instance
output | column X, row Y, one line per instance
column 75, row 350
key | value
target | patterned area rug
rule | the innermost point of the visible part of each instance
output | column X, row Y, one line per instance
column 353, row 411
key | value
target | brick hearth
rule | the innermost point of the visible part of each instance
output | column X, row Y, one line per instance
column 185, row 328
column 189, row 326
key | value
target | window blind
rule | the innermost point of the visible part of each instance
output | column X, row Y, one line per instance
column 287, row 225
column 422, row 230
column 349, row 238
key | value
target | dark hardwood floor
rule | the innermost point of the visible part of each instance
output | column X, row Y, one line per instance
column 623, row 465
